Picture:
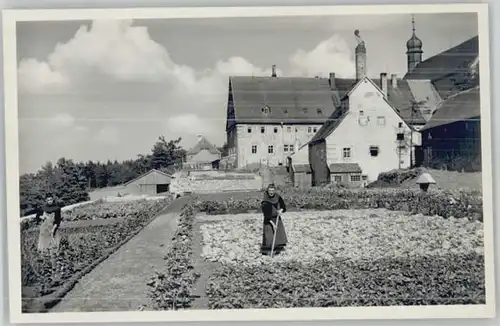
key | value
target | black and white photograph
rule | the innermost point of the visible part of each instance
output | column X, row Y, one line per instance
column 281, row 163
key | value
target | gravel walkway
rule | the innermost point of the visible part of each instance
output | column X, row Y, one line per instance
column 119, row 283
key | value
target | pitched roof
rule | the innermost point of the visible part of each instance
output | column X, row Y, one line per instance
column 454, row 60
column 289, row 99
column 345, row 168
column 400, row 97
column 297, row 99
column 462, row 106
column 146, row 174
column 301, row 168
column 203, row 144
column 425, row 95
column 447, row 69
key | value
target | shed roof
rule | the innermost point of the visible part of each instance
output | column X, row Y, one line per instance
column 345, row 168
column 301, row 168
column 465, row 105
column 148, row 173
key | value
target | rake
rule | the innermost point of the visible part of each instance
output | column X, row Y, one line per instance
column 274, row 233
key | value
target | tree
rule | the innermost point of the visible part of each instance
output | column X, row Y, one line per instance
column 72, row 184
column 101, row 175
column 166, row 154
column 70, row 181
column 89, row 172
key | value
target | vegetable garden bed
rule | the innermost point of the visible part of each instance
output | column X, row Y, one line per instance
column 346, row 248
column 47, row 277
column 346, row 258
column 172, row 288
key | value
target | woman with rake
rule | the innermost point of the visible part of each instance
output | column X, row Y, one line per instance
column 274, row 237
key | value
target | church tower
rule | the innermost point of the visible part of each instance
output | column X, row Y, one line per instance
column 360, row 55
column 413, row 49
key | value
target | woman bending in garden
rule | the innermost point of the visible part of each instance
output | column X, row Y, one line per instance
column 272, row 207
column 51, row 215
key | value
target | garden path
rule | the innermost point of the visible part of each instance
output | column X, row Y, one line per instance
column 119, row 283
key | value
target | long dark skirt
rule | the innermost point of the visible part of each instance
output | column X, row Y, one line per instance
column 268, row 234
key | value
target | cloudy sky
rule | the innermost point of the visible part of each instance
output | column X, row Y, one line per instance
column 98, row 90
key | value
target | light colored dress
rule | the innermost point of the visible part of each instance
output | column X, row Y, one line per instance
column 45, row 240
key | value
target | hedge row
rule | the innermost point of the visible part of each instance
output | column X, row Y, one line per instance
column 458, row 204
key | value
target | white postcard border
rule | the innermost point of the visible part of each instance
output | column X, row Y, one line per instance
column 10, row 17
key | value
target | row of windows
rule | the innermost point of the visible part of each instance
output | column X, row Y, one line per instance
column 364, row 120
column 347, row 152
column 353, row 177
column 266, row 110
column 288, row 129
column 374, row 151
column 270, row 149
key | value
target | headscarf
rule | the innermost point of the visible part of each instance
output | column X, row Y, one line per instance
column 270, row 199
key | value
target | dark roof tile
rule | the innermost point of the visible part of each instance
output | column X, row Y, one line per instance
column 345, row 168
column 465, row 105
column 289, row 99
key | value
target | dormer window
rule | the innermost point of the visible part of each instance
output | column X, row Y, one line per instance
column 304, row 110
column 285, row 111
column 266, row 110
column 319, row 111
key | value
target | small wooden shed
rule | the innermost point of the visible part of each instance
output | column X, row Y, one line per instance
column 301, row 175
column 151, row 183
column 346, row 173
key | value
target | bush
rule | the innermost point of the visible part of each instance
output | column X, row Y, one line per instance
column 458, row 204
column 395, row 178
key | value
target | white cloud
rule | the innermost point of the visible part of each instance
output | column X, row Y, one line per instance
column 190, row 124
column 35, row 76
column 332, row 55
column 111, row 64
